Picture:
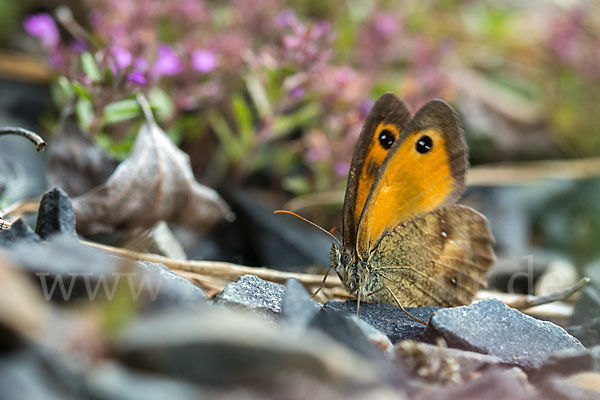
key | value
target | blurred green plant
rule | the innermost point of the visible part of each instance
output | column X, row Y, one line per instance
column 281, row 88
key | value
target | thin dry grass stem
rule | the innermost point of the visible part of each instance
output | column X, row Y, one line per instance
column 20, row 208
column 219, row 269
column 526, row 302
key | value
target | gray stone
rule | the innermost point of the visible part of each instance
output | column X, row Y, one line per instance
column 19, row 232
column 173, row 288
column 55, row 215
column 110, row 381
column 588, row 333
column 491, row 327
column 569, row 361
column 250, row 292
column 387, row 318
column 216, row 346
column 297, row 308
column 587, row 307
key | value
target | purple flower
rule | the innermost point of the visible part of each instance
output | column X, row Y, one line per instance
column 342, row 168
column 365, row 108
column 43, row 27
column 122, row 58
column 286, row 18
column 386, row 25
column 297, row 92
column 136, row 78
column 167, row 62
column 204, row 61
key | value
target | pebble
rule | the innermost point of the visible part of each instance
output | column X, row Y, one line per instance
column 491, row 327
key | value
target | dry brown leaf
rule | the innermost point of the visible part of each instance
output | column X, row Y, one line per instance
column 155, row 183
column 76, row 163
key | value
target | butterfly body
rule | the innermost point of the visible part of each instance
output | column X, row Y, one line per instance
column 402, row 232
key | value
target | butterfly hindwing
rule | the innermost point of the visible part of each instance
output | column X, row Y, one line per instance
column 382, row 127
column 439, row 258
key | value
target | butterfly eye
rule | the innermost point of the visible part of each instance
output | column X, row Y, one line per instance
column 386, row 138
column 424, row 144
column 345, row 258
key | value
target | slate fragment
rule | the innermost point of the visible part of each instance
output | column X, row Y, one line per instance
column 111, row 381
column 569, row 361
column 587, row 307
column 173, row 288
column 250, row 292
column 297, row 308
column 19, row 232
column 491, row 327
column 216, row 346
column 387, row 318
column 588, row 333
column 55, row 215
column 67, row 270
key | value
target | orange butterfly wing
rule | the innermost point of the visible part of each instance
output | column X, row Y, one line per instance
column 423, row 171
column 382, row 128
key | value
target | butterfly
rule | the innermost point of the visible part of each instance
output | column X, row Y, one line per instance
column 404, row 238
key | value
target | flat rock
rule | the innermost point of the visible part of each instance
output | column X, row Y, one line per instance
column 213, row 345
column 387, row 318
column 491, row 327
column 55, row 214
column 569, row 361
column 112, row 381
column 173, row 288
column 250, row 292
column 588, row 333
column 19, row 232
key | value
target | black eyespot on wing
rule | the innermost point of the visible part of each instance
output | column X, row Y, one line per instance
column 424, row 144
column 386, row 138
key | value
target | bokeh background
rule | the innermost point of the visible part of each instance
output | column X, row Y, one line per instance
column 268, row 98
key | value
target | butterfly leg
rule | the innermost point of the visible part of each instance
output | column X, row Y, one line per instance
column 322, row 283
column 403, row 309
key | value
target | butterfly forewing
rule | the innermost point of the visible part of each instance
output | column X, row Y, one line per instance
column 423, row 171
column 384, row 124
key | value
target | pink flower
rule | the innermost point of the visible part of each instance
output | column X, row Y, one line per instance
column 136, row 78
column 167, row 62
column 286, row 18
column 386, row 25
column 44, row 28
column 204, row 61
column 342, row 168
column 122, row 58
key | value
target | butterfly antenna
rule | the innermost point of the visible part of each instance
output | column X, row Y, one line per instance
column 403, row 309
column 305, row 220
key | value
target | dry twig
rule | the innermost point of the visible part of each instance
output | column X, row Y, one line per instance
column 33, row 137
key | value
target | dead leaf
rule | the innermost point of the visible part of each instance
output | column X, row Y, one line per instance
column 155, row 183
column 77, row 164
